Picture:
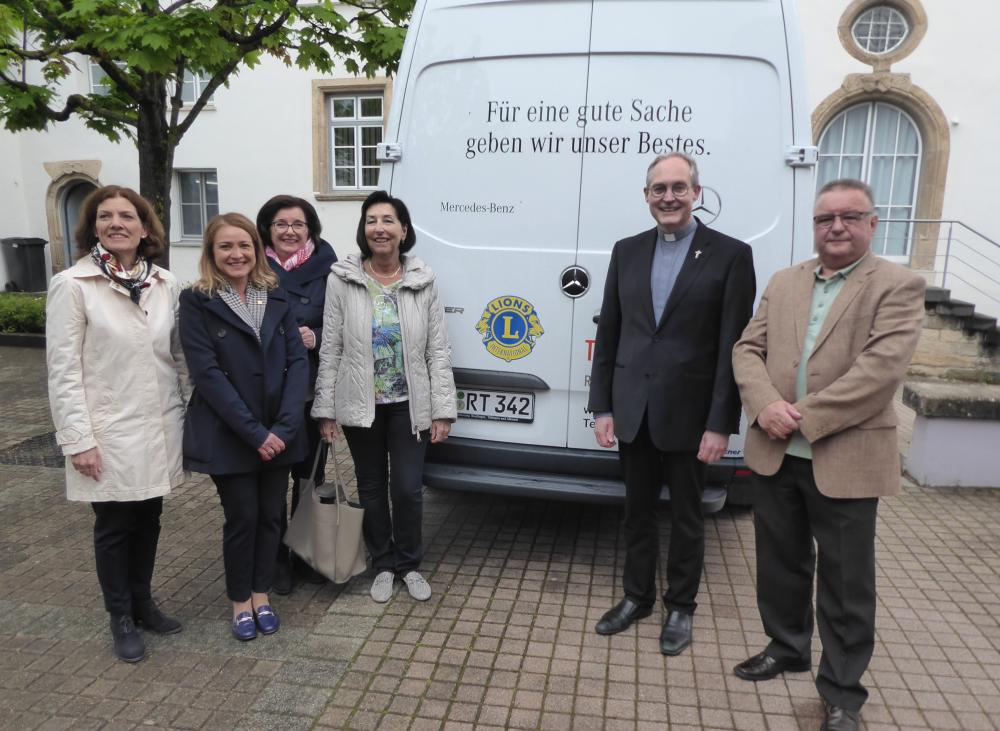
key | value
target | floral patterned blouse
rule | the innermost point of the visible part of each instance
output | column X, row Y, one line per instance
column 387, row 344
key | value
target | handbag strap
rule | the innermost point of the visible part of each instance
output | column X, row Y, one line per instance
column 319, row 455
column 340, row 494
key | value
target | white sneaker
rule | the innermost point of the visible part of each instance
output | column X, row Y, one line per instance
column 381, row 590
column 417, row 586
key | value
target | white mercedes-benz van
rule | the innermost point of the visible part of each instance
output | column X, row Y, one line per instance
column 519, row 136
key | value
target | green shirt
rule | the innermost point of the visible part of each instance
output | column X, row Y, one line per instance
column 825, row 291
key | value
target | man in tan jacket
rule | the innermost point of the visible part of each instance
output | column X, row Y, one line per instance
column 817, row 368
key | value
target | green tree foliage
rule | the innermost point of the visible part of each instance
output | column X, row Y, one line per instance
column 145, row 47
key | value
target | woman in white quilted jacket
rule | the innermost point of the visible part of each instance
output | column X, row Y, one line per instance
column 117, row 386
column 385, row 377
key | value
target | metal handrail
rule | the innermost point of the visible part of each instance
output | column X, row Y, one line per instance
column 958, row 237
column 964, row 225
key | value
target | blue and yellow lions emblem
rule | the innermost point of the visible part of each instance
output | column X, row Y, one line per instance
column 510, row 327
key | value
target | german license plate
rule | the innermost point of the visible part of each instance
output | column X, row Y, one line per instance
column 496, row 405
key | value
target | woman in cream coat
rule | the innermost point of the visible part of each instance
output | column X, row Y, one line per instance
column 385, row 376
column 116, row 381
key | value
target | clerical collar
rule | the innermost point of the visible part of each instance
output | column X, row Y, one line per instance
column 678, row 235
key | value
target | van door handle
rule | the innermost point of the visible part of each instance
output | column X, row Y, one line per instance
column 597, row 316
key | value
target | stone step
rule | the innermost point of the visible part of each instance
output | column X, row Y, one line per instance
column 938, row 300
column 955, row 308
column 979, row 323
column 934, row 295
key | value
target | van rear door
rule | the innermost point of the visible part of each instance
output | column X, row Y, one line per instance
column 495, row 203
column 687, row 76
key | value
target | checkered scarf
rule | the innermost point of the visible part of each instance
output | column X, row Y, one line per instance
column 251, row 311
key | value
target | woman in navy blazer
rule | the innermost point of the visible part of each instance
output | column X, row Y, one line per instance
column 244, row 422
column 289, row 229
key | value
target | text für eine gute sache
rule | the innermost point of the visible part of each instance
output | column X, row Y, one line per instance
column 661, row 138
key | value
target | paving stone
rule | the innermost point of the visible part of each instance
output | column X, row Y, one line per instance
column 506, row 641
column 268, row 721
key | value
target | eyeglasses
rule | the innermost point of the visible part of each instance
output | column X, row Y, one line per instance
column 848, row 218
column 282, row 226
column 659, row 190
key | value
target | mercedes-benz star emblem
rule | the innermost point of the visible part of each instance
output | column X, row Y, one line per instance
column 708, row 206
column 574, row 281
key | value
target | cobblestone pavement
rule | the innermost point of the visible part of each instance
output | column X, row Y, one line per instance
column 505, row 642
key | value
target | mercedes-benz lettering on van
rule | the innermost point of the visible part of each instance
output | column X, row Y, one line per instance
column 519, row 136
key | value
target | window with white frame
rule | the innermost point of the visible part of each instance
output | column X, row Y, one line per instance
column 193, row 85
column 355, row 130
column 880, row 29
column 879, row 144
column 199, row 200
column 99, row 83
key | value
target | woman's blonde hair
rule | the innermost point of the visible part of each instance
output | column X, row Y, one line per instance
column 211, row 279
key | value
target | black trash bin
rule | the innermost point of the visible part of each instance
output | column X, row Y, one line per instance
column 24, row 259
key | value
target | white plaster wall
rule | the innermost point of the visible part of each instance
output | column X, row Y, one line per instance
column 950, row 452
column 954, row 64
column 259, row 135
column 12, row 219
column 259, row 139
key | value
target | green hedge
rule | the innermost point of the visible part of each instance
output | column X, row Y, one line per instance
column 21, row 313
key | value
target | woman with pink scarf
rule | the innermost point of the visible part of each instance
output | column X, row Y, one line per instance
column 290, row 231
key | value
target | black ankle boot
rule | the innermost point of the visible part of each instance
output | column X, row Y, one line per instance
column 128, row 642
column 306, row 572
column 282, row 581
column 147, row 614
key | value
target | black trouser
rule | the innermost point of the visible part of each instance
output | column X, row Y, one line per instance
column 300, row 471
column 252, row 504
column 389, row 461
column 125, row 538
column 789, row 514
column 645, row 468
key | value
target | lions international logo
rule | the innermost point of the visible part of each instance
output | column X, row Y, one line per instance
column 510, row 327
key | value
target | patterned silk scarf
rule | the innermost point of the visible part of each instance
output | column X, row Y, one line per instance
column 296, row 260
column 134, row 279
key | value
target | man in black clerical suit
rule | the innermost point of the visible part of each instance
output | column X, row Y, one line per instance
column 676, row 299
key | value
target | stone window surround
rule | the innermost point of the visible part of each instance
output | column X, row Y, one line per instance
column 891, row 41
column 898, row 90
column 915, row 16
column 64, row 174
column 321, row 89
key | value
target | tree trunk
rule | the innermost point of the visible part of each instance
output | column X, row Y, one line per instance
column 156, row 153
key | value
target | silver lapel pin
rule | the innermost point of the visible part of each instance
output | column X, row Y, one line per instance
column 697, row 253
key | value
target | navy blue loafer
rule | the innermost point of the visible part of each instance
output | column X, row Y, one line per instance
column 267, row 620
column 244, row 628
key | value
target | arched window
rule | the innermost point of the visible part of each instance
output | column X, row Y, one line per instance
column 880, row 144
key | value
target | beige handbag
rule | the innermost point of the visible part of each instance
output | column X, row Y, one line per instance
column 325, row 530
